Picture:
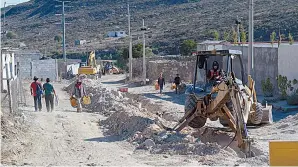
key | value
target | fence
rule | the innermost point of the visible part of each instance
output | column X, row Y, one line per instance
column 13, row 97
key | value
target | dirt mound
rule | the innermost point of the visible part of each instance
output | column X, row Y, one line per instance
column 13, row 129
column 136, row 119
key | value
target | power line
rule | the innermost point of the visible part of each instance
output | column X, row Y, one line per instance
column 63, row 25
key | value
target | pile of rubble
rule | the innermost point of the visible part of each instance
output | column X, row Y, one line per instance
column 137, row 119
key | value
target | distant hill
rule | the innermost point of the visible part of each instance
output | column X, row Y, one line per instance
column 170, row 21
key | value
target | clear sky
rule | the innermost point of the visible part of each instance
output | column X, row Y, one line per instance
column 11, row 2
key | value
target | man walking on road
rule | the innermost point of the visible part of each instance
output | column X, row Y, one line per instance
column 49, row 95
column 78, row 92
column 161, row 82
column 36, row 92
column 177, row 81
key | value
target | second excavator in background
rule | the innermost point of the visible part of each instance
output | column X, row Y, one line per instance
column 90, row 68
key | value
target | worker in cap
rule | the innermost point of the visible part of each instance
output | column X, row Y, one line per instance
column 36, row 92
column 214, row 73
column 78, row 93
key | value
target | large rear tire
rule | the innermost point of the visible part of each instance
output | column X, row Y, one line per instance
column 256, row 117
column 190, row 106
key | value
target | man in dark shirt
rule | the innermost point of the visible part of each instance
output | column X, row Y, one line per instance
column 177, row 81
column 161, row 82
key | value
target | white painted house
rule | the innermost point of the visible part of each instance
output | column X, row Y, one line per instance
column 116, row 34
column 7, row 57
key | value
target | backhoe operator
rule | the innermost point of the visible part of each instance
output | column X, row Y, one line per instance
column 214, row 74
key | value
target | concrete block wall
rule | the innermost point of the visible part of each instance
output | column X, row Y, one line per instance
column 170, row 68
column 25, row 58
column 137, row 63
column 45, row 69
column 268, row 62
column 288, row 61
column 265, row 65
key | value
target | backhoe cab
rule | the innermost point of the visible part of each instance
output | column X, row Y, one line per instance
column 223, row 97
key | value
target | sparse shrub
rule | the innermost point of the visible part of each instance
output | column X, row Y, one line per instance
column 216, row 35
column 226, row 35
column 283, row 86
column 293, row 98
column 291, row 39
column 235, row 36
column 11, row 35
column 273, row 37
column 243, row 35
column 58, row 38
column 267, row 88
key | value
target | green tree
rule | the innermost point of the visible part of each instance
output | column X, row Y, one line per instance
column 226, row 35
column 273, row 37
column 243, row 35
column 149, row 52
column 291, row 39
column 216, row 35
column 11, row 35
column 137, row 52
column 234, row 35
column 187, row 47
column 58, row 38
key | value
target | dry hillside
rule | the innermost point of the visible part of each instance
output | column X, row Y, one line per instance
column 170, row 21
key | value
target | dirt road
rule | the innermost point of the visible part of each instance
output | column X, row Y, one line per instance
column 64, row 137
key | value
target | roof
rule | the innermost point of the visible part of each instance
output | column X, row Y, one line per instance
column 212, row 42
column 217, row 53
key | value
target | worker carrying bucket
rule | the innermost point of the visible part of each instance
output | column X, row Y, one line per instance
column 77, row 94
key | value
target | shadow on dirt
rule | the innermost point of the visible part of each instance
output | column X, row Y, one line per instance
column 105, row 139
column 115, row 82
column 278, row 115
column 224, row 139
column 167, row 96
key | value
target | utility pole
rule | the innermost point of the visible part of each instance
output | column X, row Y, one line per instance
column 63, row 31
column 4, row 17
column 250, row 39
column 63, row 38
column 238, row 22
column 130, row 45
column 143, row 29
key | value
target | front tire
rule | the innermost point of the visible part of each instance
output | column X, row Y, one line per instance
column 190, row 106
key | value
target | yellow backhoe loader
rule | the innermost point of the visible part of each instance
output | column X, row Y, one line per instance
column 225, row 98
column 90, row 68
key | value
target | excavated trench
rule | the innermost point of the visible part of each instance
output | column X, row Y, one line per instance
column 134, row 118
